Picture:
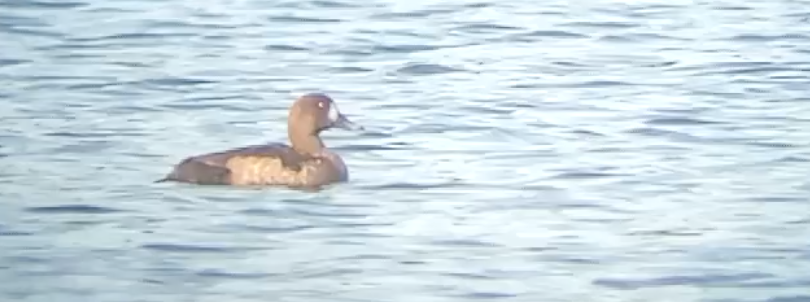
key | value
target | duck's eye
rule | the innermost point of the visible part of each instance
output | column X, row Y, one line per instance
column 320, row 104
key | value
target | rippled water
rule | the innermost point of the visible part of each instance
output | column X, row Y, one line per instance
column 515, row 151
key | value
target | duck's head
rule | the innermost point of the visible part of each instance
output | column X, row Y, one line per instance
column 315, row 112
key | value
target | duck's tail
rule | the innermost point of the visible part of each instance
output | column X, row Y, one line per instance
column 170, row 177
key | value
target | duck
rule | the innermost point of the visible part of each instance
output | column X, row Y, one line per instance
column 305, row 162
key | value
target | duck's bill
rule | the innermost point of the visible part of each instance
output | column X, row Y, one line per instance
column 344, row 123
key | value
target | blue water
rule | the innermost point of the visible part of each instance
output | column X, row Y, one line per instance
column 514, row 151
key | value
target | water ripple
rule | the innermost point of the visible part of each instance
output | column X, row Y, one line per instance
column 186, row 248
column 72, row 209
column 706, row 280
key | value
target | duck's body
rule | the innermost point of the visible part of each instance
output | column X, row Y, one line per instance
column 304, row 163
column 271, row 164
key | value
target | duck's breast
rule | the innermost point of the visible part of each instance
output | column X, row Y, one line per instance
column 334, row 166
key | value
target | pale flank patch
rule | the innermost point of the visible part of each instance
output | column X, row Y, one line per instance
column 266, row 170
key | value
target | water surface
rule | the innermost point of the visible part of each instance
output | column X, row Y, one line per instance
column 516, row 151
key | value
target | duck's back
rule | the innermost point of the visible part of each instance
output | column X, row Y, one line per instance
column 271, row 164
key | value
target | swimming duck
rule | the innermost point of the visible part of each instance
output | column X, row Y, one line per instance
column 306, row 162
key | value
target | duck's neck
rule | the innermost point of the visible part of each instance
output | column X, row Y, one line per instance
column 306, row 143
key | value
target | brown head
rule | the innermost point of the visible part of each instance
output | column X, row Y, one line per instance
column 311, row 114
